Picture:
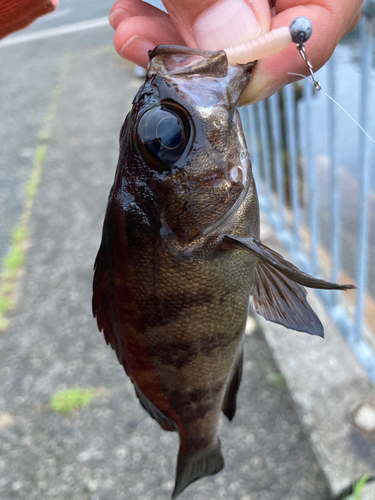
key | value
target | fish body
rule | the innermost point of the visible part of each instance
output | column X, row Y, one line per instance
column 180, row 252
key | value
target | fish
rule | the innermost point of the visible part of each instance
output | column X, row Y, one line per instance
column 181, row 254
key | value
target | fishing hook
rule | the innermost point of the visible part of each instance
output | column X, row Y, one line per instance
column 300, row 31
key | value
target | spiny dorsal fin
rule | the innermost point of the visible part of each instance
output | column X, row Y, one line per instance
column 277, row 291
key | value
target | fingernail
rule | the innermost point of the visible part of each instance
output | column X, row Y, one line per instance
column 113, row 15
column 138, row 43
column 227, row 24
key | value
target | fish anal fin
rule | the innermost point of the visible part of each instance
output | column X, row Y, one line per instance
column 194, row 466
column 281, row 300
column 230, row 399
column 164, row 422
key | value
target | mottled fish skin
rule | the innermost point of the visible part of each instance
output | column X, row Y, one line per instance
column 170, row 302
column 173, row 275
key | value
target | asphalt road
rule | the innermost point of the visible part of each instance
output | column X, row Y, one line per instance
column 110, row 450
column 29, row 72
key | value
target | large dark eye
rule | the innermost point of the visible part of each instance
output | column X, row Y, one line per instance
column 162, row 135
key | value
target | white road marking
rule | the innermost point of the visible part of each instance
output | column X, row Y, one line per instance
column 60, row 30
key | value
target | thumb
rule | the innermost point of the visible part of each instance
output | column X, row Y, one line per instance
column 213, row 25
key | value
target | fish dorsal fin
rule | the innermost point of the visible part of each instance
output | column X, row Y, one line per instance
column 278, row 293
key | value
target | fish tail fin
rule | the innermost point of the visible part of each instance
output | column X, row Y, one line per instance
column 194, row 466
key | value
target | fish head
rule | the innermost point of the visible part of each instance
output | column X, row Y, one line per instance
column 188, row 139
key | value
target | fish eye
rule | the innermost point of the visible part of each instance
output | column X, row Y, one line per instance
column 162, row 136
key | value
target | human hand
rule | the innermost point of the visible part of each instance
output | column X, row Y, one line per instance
column 18, row 14
column 213, row 25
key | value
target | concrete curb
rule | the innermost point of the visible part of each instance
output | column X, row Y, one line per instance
column 327, row 385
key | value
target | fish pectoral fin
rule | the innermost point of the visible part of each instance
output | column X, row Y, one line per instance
column 281, row 300
column 278, row 262
column 230, row 399
column 194, row 466
column 278, row 291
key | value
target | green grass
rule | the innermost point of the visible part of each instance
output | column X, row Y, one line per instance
column 4, row 323
column 71, row 399
column 43, row 137
column 14, row 259
column 5, row 305
column 19, row 235
column 39, row 158
column 276, row 378
column 40, row 153
column 13, row 262
column 358, row 487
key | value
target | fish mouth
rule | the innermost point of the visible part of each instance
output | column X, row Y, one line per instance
column 178, row 60
column 180, row 65
column 182, row 50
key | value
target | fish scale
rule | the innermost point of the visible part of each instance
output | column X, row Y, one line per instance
column 180, row 253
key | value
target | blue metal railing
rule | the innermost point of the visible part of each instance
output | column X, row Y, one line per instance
column 302, row 148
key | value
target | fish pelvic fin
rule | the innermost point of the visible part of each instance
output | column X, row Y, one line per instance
column 278, row 292
column 194, row 466
column 230, row 399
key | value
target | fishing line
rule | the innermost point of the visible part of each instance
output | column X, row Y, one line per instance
column 300, row 31
column 339, row 105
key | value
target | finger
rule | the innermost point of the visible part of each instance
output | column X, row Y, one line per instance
column 124, row 9
column 273, row 73
column 353, row 24
column 134, row 37
column 213, row 24
column 206, row 24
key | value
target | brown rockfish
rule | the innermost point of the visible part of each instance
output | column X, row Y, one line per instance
column 180, row 253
